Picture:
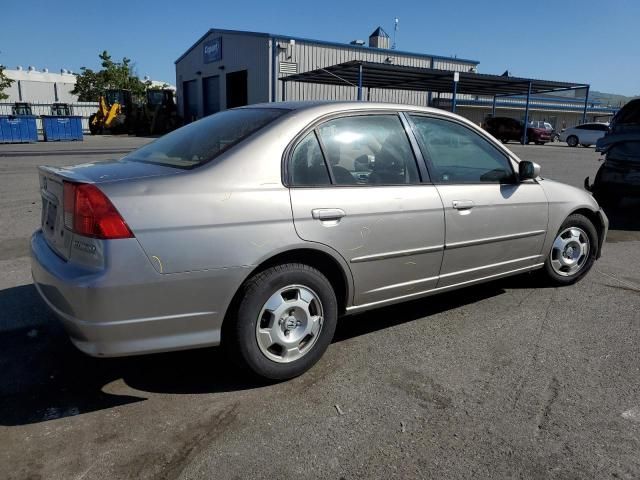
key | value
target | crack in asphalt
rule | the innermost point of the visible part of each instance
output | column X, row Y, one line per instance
column 534, row 356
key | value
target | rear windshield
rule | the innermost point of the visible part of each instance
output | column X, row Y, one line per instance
column 202, row 141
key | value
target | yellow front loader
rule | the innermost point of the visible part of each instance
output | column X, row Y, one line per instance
column 114, row 109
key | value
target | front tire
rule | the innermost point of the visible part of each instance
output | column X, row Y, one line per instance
column 285, row 321
column 573, row 252
column 572, row 141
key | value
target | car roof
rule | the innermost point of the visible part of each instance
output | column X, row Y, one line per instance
column 325, row 107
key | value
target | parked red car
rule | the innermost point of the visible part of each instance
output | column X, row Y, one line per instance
column 506, row 128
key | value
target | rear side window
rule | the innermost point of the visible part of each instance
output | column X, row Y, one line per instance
column 368, row 149
column 307, row 163
column 456, row 154
column 202, row 141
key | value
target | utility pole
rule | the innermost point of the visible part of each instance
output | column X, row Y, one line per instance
column 395, row 31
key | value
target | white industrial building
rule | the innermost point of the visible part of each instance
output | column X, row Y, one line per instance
column 34, row 86
column 230, row 68
column 42, row 88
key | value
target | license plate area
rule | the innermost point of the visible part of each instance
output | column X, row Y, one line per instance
column 50, row 216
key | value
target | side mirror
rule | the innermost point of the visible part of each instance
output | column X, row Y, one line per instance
column 528, row 170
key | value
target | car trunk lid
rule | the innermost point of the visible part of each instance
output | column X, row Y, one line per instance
column 52, row 179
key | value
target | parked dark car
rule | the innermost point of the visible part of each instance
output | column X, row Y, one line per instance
column 506, row 129
column 619, row 175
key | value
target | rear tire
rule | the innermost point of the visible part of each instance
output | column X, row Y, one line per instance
column 572, row 141
column 285, row 321
column 573, row 252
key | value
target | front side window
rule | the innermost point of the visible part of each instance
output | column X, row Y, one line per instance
column 456, row 154
column 368, row 149
column 202, row 141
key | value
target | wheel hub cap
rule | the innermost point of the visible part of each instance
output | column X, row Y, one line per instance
column 289, row 324
column 570, row 251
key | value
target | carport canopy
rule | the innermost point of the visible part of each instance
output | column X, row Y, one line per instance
column 399, row 77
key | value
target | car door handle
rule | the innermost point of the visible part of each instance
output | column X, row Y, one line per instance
column 462, row 204
column 327, row 213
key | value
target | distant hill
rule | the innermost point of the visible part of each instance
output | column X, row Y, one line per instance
column 610, row 99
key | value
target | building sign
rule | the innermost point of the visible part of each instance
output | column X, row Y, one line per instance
column 213, row 50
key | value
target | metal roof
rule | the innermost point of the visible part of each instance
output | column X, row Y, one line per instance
column 323, row 42
column 384, row 75
column 379, row 32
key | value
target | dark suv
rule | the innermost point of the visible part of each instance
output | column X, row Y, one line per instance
column 506, row 128
column 619, row 175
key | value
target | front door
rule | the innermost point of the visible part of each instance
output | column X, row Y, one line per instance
column 355, row 187
column 494, row 224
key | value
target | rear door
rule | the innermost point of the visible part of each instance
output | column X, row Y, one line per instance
column 356, row 187
column 493, row 223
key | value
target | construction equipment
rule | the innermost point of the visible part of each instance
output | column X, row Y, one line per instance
column 114, row 110
column 119, row 113
column 21, row 109
column 159, row 114
column 61, row 110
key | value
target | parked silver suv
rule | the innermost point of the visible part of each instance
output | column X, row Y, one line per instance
column 257, row 227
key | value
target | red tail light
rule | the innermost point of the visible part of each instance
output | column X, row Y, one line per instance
column 88, row 212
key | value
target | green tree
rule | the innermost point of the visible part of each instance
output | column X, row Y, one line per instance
column 4, row 83
column 113, row 75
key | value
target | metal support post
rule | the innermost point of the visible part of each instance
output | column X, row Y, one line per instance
column 456, row 77
column 360, row 83
column 586, row 103
column 493, row 107
column 526, row 116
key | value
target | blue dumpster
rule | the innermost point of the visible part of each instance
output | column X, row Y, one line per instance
column 18, row 129
column 58, row 128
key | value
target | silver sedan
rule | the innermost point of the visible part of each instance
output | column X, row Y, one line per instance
column 257, row 227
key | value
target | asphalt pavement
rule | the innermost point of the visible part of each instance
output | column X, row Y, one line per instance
column 505, row 380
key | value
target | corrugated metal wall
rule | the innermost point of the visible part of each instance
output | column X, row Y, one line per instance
column 40, row 91
column 239, row 52
column 311, row 56
column 253, row 52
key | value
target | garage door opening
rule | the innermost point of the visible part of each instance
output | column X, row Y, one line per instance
column 237, row 89
column 190, row 102
column 211, row 95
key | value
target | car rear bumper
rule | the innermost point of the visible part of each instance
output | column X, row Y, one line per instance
column 127, row 307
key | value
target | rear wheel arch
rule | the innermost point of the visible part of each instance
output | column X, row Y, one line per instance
column 322, row 261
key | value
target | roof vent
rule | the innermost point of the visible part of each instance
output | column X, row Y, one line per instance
column 359, row 43
column 19, row 68
column 45, row 70
column 32, row 68
column 379, row 38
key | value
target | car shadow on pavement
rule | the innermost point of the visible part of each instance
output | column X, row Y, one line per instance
column 44, row 377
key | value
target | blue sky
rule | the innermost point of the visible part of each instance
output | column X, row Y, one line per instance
column 587, row 41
